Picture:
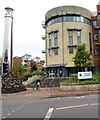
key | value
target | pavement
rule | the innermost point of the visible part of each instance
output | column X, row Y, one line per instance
column 45, row 93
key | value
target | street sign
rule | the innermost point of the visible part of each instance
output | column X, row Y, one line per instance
column 84, row 75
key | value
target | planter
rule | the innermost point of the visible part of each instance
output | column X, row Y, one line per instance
column 79, row 86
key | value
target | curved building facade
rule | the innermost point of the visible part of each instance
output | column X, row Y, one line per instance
column 66, row 27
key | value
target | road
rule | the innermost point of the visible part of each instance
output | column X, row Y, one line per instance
column 60, row 107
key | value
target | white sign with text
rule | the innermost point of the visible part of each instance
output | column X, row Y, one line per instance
column 84, row 75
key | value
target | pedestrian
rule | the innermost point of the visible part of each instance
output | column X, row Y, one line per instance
column 38, row 84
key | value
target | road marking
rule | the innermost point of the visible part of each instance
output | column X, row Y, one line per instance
column 4, row 117
column 80, row 97
column 72, row 106
column 13, row 111
column 95, row 104
column 9, row 114
column 58, row 98
column 49, row 113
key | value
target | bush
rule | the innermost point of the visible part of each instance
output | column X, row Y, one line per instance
column 25, row 75
column 38, row 73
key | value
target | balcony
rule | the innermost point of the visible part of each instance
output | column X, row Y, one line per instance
column 43, row 24
column 43, row 37
column 97, row 44
column 43, row 51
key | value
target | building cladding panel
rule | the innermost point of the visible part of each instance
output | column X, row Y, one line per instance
column 67, row 20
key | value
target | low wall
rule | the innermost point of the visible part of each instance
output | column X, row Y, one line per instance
column 79, row 86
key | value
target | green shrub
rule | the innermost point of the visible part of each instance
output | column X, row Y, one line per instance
column 25, row 75
column 37, row 73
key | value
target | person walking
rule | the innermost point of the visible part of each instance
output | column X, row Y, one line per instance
column 38, row 84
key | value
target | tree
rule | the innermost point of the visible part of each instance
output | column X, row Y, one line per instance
column 19, row 70
column 82, row 57
column 33, row 68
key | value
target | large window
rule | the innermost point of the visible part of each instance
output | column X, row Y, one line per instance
column 71, row 50
column 56, row 51
column 98, row 16
column 56, row 39
column 78, row 37
column 50, row 40
column 70, row 33
column 90, row 42
column 69, row 18
column 50, row 52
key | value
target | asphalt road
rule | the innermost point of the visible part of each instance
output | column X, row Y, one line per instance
column 60, row 107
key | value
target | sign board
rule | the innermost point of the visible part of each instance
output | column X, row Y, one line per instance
column 84, row 75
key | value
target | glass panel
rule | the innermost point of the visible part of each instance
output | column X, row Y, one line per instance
column 56, row 39
column 90, row 42
column 95, row 37
column 96, row 51
column 50, row 40
column 56, row 20
column 56, row 51
column 70, row 50
column 60, row 19
column 77, row 19
column 78, row 37
column 50, row 52
column 82, row 19
column 98, row 17
column 70, row 37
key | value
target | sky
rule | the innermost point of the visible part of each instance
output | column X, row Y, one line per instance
column 27, row 18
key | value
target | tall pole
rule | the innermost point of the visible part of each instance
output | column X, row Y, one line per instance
column 8, row 41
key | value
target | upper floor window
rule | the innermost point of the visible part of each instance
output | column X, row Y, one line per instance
column 95, row 37
column 78, row 37
column 50, row 40
column 96, row 51
column 90, row 39
column 70, row 33
column 56, row 51
column 50, row 52
column 98, row 16
column 56, row 39
column 71, row 50
column 94, row 23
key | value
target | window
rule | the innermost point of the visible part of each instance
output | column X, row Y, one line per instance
column 56, row 20
column 56, row 51
column 94, row 23
column 95, row 37
column 78, row 37
column 98, row 16
column 77, row 19
column 99, row 32
column 96, row 51
column 70, row 50
column 50, row 40
column 56, row 39
column 82, row 19
column 90, row 42
column 60, row 19
column 70, row 33
column 50, row 52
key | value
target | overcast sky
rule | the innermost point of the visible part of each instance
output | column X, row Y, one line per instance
column 28, row 16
